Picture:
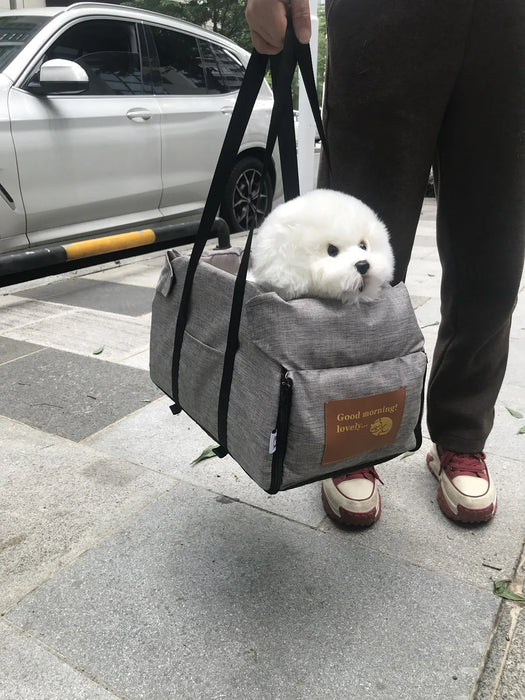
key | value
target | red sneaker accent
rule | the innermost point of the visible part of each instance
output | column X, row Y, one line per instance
column 357, row 507
column 466, row 492
column 466, row 464
column 368, row 473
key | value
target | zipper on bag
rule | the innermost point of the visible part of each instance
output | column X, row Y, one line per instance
column 281, row 432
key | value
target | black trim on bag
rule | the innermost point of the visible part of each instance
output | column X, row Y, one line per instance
column 283, row 423
column 417, row 429
column 343, row 471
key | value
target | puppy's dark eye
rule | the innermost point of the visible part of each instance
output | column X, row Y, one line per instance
column 332, row 250
column 362, row 245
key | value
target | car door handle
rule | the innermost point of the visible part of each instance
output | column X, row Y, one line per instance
column 227, row 111
column 138, row 114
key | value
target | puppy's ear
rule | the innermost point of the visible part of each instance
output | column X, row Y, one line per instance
column 278, row 260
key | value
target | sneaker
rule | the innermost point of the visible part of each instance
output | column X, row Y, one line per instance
column 466, row 492
column 353, row 499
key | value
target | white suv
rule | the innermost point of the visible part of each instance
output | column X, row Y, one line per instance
column 112, row 118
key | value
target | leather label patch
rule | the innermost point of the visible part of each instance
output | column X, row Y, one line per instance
column 356, row 426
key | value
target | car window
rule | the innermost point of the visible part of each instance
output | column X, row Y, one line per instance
column 15, row 32
column 180, row 66
column 108, row 50
column 224, row 72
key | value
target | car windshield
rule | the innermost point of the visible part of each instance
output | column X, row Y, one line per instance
column 15, row 32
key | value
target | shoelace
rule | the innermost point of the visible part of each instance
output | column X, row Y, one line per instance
column 367, row 473
column 467, row 464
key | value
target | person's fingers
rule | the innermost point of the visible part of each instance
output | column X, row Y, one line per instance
column 301, row 20
column 262, row 46
column 267, row 22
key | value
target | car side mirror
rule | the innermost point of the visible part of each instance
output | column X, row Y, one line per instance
column 58, row 77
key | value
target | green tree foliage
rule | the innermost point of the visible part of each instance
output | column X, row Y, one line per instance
column 223, row 16
column 321, row 61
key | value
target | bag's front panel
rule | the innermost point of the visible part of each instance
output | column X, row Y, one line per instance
column 208, row 317
column 210, row 304
column 322, row 334
column 254, row 399
column 386, row 412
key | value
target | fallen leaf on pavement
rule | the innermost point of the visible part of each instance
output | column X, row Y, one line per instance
column 206, row 454
column 514, row 413
column 501, row 588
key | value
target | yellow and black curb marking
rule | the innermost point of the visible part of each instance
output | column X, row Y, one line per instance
column 15, row 267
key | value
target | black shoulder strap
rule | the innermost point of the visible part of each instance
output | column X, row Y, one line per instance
column 282, row 123
column 253, row 79
column 281, row 128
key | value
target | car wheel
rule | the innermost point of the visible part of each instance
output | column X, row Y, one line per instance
column 242, row 206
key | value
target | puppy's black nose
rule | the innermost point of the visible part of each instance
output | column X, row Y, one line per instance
column 362, row 266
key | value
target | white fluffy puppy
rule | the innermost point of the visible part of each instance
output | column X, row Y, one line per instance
column 323, row 244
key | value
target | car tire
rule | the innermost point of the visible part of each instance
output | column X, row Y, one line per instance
column 241, row 206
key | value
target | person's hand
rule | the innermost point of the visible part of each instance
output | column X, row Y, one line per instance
column 267, row 20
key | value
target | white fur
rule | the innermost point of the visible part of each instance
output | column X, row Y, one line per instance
column 290, row 250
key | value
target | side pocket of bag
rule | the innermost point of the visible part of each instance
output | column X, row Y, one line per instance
column 281, row 431
column 334, row 411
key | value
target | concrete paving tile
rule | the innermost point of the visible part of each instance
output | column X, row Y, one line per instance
column 139, row 274
column 205, row 598
column 515, row 373
column 413, row 528
column 85, row 331
column 101, row 295
column 494, row 662
column 426, row 239
column 429, row 208
column 139, row 360
column 156, row 439
column 30, row 672
column 71, row 395
column 418, row 301
column 505, row 440
column 422, row 253
column 429, row 314
column 518, row 323
column 512, row 683
column 13, row 349
column 57, row 500
column 503, row 673
column 18, row 314
column 430, row 333
column 424, row 279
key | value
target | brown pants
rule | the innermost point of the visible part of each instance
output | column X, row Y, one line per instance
column 415, row 83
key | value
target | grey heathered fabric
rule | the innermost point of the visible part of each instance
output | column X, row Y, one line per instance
column 330, row 350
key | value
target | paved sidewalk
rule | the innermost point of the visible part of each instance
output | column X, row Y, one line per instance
column 128, row 572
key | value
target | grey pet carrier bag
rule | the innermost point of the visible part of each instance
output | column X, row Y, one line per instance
column 295, row 391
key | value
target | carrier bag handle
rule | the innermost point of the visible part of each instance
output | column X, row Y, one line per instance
column 248, row 92
column 281, row 125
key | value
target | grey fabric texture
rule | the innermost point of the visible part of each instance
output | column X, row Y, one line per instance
column 331, row 351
